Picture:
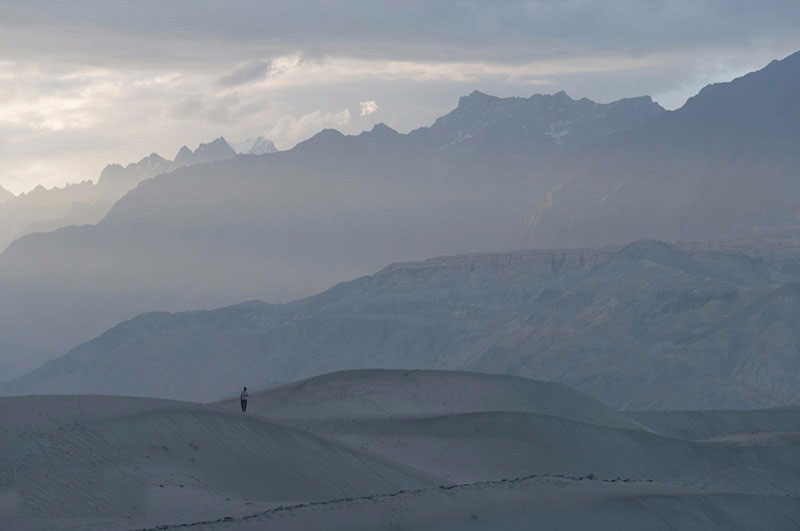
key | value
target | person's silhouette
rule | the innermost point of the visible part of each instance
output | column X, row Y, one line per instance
column 243, row 398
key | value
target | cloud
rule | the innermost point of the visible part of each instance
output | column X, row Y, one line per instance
column 154, row 75
column 368, row 107
column 248, row 73
column 315, row 57
column 511, row 31
column 34, row 100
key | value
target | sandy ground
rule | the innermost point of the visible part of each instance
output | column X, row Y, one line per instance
column 703, row 424
column 105, row 458
column 371, row 393
column 533, row 503
column 394, row 450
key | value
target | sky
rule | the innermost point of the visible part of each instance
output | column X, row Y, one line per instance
column 87, row 83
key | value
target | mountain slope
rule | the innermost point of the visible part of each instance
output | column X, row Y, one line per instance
column 279, row 226
column 722, row 166
column 648, row 325
column 494, row 174
column 41, row 205
column 86, row 203
column 42, row 210
column 541, row 120
column 215, row 150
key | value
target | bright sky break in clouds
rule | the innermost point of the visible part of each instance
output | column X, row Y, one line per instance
column 83, row 85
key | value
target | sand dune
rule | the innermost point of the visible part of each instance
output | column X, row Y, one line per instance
column 71, row 457
column 532, row 504
column 470, row 426
column 393, row 449
column 704, row 424
column 491, row 445
column 386, row 392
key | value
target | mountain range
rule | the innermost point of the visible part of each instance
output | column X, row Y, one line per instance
column 220, row 233
column 84, row 203
column 495, row 174
column 644, row 326
column 725, row 164
column 43, row 210
column 254, row 146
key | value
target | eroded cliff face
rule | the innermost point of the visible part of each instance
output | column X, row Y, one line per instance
column 646, row 325
column 536, row 261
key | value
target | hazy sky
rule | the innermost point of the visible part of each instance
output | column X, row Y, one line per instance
column 85, row 83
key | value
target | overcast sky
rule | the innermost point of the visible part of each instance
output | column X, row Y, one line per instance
column 85, row 83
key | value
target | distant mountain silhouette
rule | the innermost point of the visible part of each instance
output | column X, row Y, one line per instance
column 254, row 146
column 213, row 151
column 16, row 360
column 647, row 325
column 43, row 210
column 292, row 223
column 494, row 174
column 117, row 179
column 725, row 164
column 539, row 120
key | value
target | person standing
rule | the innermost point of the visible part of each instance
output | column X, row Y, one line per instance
column 243, row 398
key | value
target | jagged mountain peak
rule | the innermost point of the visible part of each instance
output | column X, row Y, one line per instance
column 324, row 136
column 218, row 142
column 184, row 155
column 380, row 129
column 562, row 95
column 476, row 97
column 330, row 133
column 217, row 149
column 151, row 161
column 541, row 119
column 152, row 157
column 636, row 101
column 123, row 178
column 254, row 146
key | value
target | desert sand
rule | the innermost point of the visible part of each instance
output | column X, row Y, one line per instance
column 394, row 449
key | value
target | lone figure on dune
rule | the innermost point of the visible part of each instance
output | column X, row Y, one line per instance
column 243, row 398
